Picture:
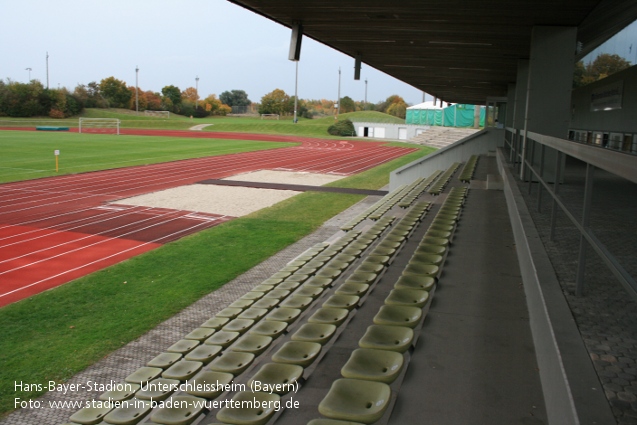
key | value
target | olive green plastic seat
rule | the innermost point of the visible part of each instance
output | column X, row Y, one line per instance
column 345, row 258
column 182, row 370
column 130, row 414
column 188, row 410
column 183, row 346
column 448, row 216
column 252, row 343
column 426, row 258
column 342, row 301
column 250, row 415
column 90, row 415
column 370, row 268
column 297, row 277
column 330, row 316
column 398, row 315
column 121, row 392
column 392, row 338
column 165, row 360
column 422, row 269
column 373, row 365
column 272, row 328
column 323, row 421
column 384, row 250
column 309, row 291
column 321, row 281
column 208, row 384
column 233, row 362
column 266, row 303
column 317, row 262
column 230, row 312
column 410, row 297
column 352, row 250
column 309, row 270
column 299, row 262
column 279, row 378
column 222, row 338
column 262, row 287
column 288, row 285
column 204, row 353
column 300, row 353
column 158, row 389
column 279, row 294
column 241, row 303
column 361, row 276
column 200, row 334
column 252, row 295
column 215, row 323
column 377, row 259
column 314, row 332
column 289, row 268
column 329, row 272
column 414, row 281
column 297, row 301
column 144, row 374
column 443, row 221
column 435, row 241
column 352, row 288
column 438, row 234
column 273, row 281
column 431, row 249
column 356, row 400
column 388, row 243
column 252, row 313
column 283, row 314
column 239, row 325
column 281, row 274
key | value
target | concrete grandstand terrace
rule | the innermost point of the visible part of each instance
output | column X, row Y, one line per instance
column 56, row 229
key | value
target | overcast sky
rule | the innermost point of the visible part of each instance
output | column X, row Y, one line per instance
column 173, row 42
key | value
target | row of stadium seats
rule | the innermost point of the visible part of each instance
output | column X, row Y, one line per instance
column 439, row 185
column 469, row 169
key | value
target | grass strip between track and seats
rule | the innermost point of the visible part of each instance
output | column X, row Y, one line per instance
column 54, row 335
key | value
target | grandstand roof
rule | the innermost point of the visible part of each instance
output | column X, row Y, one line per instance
column 459, row 51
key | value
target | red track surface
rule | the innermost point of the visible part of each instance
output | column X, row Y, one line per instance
column 53, row 230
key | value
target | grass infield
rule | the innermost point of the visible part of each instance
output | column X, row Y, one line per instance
column 56, row 334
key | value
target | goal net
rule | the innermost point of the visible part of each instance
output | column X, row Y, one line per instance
column 269, row 116
column 99, row 125
column 160, row 114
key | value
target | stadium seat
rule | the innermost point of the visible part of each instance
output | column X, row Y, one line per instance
column 204, row 353
column 188, row 410
column 414, row 281
column 352, row 288
column 309, row 291
column 314, row 332
column 438, row 234
column 422, row 269
column 239, row 325
column 330, row 316
column 222, row 338
column 283, row 314
column 342, row 301
column 329, row 272
column 398, row 315
column 392, row 338
column 281, row 275
column 208, row 384
column 183, row 346
column 250, row 416
column 165, row 360
column 300, row 353
column 297, row 301
column 262, row 287
column 409, row 297
column 279, row 294
column 272, row 281
column 131, row 414
column 233, row 362
column 143, row 374
column 230, row 312
column 426, row 258
column 241, row 303
column 356, row 400
column 362, row 277
column 323, row 282
column 200, row 334
column 271, row 328
column 324, row 421
column 158, row 389
column 252, row 343
column 182, row 370
column 215, row 323
column 375, row 258
column 289, row 285
column 252, row 313
column 266, row 303
column 123, row 391
column 430, row 249
column 90, row 415
column 279, row 377
column 252, row 295
column 373, row 365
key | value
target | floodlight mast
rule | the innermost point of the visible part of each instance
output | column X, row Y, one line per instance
column 338, row 105
column 136, row 90
column 196, row 92
column 29, row 69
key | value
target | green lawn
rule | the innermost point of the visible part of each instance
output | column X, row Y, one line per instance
column 58, row 333
column 29, row 155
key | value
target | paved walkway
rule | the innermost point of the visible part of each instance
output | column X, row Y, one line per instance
column 606, row 316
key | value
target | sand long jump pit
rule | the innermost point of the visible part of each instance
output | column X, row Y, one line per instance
column 233, row 201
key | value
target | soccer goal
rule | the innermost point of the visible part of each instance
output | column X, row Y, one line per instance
column 99, row 125
column 269, row 116
column 160, row 114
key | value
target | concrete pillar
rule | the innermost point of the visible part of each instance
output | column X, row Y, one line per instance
column 510, row 105
column 520, row 94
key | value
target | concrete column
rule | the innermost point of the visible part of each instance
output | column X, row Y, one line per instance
column 510, row 105
column 520, row 94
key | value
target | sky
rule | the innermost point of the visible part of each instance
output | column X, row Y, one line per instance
column 172, row 43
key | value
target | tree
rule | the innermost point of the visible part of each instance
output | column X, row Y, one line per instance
column 275, row 102
column 397, row 109
column 347, row 105
column 172, row 97
column 115, row 92
column 603, row 66
column 394, row 98
column 153, row 100
column 190, row 94
column 141, row 99
column 235, row 98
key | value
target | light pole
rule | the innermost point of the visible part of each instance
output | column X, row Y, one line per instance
column 365, row 105
column 29, row 69
column 296, row 91
column 196, row 92
column 47, row 70
column 338, row 104
column 136, row 89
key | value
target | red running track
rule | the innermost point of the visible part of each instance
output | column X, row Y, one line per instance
column 54, row 230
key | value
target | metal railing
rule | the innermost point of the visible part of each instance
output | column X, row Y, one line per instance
column 522, row 153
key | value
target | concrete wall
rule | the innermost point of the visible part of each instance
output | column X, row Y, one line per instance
column 478, row 143
column 389, row 131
